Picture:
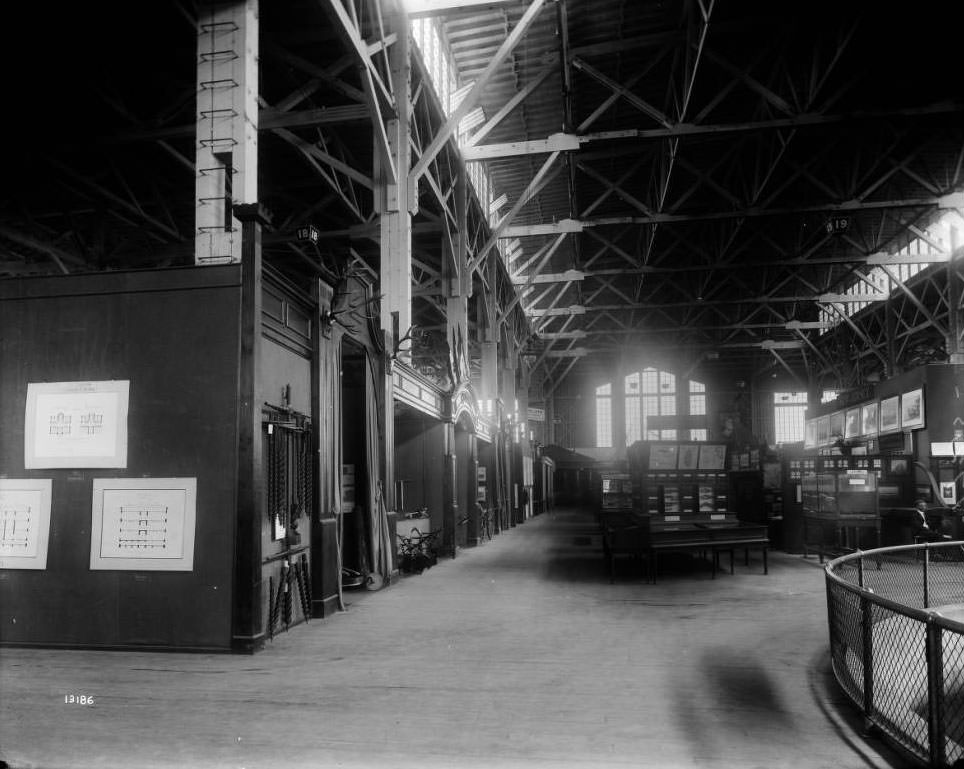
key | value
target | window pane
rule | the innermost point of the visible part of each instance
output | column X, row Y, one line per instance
column 697, row 387
column 606, row 389
column 789, row 423
column 667, row 405
column 634, row 421
column 697, row 405
column 632, row 384
column 788, row 398
column 667, row 382
column 667, row 435
column 650, row 380
column 604, row 422
column 698, row 435
column 650, row 405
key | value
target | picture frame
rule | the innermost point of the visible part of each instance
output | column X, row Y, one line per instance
column 823, row 430
column 143, row 524
column 663, row 456
column 688, row 456
column 76, row 424
column 912, row 409
column 25, row 524
column 852, row 423
column 712, row 456
column 890, row 414
column 898, row 466
column 837, row 425
column 869, row 414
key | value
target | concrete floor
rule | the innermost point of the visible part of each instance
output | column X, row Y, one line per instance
column 518, row 653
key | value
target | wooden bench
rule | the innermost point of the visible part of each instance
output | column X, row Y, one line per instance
column 626, row 533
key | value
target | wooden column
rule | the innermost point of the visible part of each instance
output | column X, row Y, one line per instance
column 247, row 622
column 396, row 200
column 226, row 143
column 450, row 499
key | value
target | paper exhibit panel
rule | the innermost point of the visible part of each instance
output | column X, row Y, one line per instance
column 24, row 522
column 76, row 424
column 143, row 524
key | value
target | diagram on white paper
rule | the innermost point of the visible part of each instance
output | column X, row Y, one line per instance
column 24, row 522
column 18, row 514
column 143, row 523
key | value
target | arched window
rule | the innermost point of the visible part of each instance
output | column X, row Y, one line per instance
column 604, row 416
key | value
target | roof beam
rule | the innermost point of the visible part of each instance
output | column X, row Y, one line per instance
column 472, row 97
column 557, row 142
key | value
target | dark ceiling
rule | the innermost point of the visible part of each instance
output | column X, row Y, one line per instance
column 716, row 141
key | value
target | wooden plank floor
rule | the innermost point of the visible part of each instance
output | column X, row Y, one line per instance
column 518, row 653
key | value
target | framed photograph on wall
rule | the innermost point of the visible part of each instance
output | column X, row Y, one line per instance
column 823, row 430
column 912, row 409
column 852, row 423
column 868, row 418
column 837, row 421
column 890, row 414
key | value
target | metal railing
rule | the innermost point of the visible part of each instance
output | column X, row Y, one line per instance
column 897, row 644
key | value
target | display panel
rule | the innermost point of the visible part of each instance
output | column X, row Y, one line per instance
column 889, row 414
column 852, row 423
column 712, row 456
column 24, row 522
column 662, row 456
column 912, row 409
column 76, row 424
column 868, row 419
column 143, row 524
column 688, row 456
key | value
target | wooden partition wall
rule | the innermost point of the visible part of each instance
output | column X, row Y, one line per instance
column 173, row 335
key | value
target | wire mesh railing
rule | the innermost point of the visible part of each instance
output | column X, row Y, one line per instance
column 896, row 621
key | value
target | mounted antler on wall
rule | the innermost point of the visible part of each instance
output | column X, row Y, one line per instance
column 343, row 310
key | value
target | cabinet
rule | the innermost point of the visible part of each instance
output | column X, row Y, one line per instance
column 616, row 492
column 843, row 499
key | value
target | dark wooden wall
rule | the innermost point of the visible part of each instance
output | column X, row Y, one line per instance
column 174, row 334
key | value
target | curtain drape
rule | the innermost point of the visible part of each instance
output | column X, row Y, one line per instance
column 329, row 428
column 379, row 536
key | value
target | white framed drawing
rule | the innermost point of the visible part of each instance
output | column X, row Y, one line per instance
column 24, row 522
column 76, row 424
column 912, row 409
column 143, row 524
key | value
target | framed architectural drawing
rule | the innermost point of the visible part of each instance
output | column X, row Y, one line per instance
column 76, row 424
column 868, row 421
column 143, row 524
column 890, row 414
column 24, row 522
column 912, row 409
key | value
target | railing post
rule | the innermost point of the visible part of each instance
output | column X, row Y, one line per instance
column 860, row 570
column 935, row 693
column 867, row 644
column 927, row 561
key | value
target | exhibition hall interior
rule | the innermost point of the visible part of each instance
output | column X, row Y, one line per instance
column 482, row 383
